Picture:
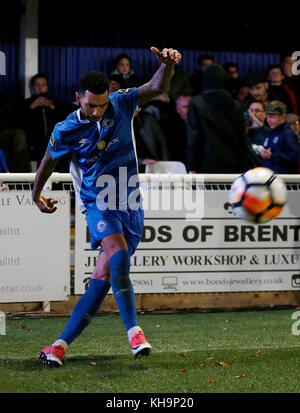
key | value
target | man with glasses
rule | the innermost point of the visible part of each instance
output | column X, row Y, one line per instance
column 256, row 129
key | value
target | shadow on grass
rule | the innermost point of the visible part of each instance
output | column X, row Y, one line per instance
column 108, row 365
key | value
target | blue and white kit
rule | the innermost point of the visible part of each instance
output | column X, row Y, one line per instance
column 104, row 168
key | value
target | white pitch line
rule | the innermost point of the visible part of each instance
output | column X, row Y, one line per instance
column 190, row 350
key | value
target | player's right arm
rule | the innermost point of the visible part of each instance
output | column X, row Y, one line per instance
column 160, row 81
column 46, row 205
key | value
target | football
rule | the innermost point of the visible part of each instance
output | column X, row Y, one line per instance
column 258, row 195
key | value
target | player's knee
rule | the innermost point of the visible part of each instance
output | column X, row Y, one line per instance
column 102, row 277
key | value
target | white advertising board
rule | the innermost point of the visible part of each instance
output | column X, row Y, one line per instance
column 34, row 248
column 215, row 253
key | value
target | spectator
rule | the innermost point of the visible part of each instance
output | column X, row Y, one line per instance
column 178, row 145
column 283, row 92
column 259, row 90
column 115, row 83
column 243, row 93
column 38, row 116
column 233, row 83
column 257, row 130
column 123, row 68
column 172, row 125
column 150, row 141
column 281, row 148
column 180, row 84
column 216, row 136
column 12, row 140
column 291, row 80
column 197, row 77
column 293, row 120
column 182, row 106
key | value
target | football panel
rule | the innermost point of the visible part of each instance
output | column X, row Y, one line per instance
column 242, row 213
column 272, row 213
column 278, row 191
column 237, row 190
column 257, row 199
column 258, row 175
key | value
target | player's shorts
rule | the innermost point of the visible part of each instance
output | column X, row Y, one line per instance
column 129, row 223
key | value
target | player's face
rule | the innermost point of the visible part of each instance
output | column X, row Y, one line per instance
column 92, row 106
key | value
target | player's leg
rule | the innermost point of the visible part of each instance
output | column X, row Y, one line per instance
column 84, row 311
column 115, row 245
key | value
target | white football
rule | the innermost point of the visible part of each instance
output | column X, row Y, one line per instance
column 258, row 195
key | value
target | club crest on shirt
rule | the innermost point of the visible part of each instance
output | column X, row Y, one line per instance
column 107, row 123
column 275, row 140
column 102, row 226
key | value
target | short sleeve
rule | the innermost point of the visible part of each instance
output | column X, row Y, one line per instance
column 127, row 99
column 60, row 143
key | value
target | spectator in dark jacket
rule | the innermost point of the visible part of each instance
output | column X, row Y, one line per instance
column 196, row 79
column 12, row 140
column 281, row 148
column 150, row 141
column 216, row 137
column 38, row 116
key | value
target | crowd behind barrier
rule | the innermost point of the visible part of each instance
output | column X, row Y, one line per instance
column 213, row 121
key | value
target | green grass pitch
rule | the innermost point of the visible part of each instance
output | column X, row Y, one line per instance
column 219, row 352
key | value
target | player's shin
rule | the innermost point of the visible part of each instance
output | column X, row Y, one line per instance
column 85, row 309
column 122, row 288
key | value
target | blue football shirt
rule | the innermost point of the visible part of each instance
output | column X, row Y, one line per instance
column 103, row 155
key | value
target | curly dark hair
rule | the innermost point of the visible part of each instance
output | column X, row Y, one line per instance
column 94, row 82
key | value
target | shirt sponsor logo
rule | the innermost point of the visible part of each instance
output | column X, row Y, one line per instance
column 112, row 142
column 101, row 145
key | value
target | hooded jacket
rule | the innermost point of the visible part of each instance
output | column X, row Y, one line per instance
column 216, row 137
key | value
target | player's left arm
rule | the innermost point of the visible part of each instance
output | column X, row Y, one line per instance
column 160, row 81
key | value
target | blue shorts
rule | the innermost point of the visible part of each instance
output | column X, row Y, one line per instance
column 129, row 223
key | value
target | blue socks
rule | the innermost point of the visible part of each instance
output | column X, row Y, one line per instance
column 85, row 309
column 119, row 265
column 88, row 305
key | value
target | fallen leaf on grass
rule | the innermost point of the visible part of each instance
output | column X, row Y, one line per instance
column 212, row 381
column 181, row 371
column 256, row 354
column 157, row 325
column 204, row 365
column 92, row 363
column 209, row 358
column 222, row 363
column 241, row 376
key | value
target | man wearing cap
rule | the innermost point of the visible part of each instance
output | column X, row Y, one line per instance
column 281, row 148
column 293, row 120
column 260, row 90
